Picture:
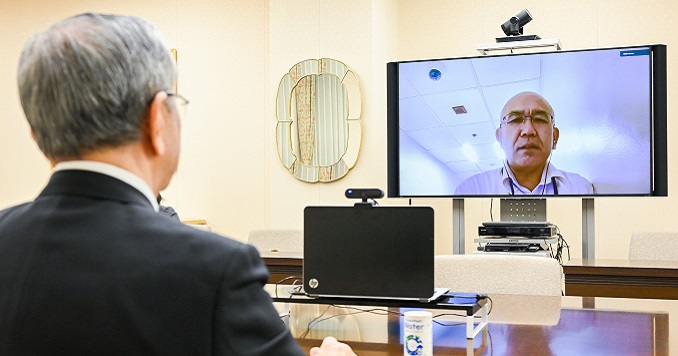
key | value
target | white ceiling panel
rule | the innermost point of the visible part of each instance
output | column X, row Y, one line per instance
column 442, row 105
column 438, row 137
column 506, row 69
column 489, row 151
column 456, row 74
column 474, row 134
column 405, row 89
column 415, row 115
column 450, row 154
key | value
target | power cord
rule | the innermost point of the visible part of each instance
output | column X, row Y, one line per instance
column 295, row 287
column 560, row 245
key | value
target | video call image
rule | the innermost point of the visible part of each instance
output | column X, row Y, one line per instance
column 563, row 123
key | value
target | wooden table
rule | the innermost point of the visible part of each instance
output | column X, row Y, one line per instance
column 621, row 278
column 643, row 329
column 283, row 266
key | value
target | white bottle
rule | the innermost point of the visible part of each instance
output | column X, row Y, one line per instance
column 418, row 336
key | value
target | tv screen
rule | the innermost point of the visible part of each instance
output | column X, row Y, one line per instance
column 565, row 123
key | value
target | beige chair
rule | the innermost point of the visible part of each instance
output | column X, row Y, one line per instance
column 277, row 240
column 499, row 274
column 654, row 246
column 524, row 290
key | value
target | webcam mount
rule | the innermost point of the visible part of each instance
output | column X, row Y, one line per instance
column 513, row 28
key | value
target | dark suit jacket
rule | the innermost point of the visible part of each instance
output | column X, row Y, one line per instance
column 90, row 268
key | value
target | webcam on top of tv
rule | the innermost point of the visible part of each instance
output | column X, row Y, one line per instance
column 365, row 194
column 513, row 28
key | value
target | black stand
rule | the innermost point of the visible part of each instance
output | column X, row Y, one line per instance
column 517, row 38
column 471, row 306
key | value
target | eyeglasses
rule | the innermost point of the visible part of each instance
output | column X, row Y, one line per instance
column 181, row 101
column 538, row 118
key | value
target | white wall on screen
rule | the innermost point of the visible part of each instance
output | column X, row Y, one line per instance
column 420, row 161
column 601, row 106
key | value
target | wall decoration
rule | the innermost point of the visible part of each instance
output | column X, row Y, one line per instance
column 318, row 110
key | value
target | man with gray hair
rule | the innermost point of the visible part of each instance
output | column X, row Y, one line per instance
column 90, row 266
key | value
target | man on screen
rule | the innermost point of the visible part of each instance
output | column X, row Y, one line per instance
column 527, row 135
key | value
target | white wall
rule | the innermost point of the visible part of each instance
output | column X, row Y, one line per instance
column 232, row 55
column 222, row 71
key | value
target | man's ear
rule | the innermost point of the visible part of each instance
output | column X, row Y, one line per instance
column 155, row 123
column 556, row 135
column 497, row 134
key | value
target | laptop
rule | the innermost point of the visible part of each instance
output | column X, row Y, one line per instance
column 370, row 252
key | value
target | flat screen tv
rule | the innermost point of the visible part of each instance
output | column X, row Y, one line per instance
column 576, row 123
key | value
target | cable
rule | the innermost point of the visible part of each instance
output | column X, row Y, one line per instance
column 320, row 318
column 559, row 251
column 377, row 311
column 543, row 187
column 313, row 322
column 560, row 245
column 296, row 279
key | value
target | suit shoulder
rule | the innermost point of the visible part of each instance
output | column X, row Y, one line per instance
column 181, row 233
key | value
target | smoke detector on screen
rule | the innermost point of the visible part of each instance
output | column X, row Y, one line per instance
column 435, row 74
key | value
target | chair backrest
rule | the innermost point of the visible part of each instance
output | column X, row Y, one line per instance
column 654, row 246
column 277, row 240
column 500, row 274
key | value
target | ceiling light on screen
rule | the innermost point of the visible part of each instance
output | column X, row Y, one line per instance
column 459, row 109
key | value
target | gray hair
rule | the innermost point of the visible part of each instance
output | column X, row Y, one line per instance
column 86, row 82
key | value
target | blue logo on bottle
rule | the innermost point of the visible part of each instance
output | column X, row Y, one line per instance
column 413, row 345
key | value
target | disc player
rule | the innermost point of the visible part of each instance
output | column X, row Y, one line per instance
column 529, row 229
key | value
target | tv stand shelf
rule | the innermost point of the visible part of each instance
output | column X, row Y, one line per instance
column 516, row 245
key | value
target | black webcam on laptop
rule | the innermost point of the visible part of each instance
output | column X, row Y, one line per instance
column 365, row 194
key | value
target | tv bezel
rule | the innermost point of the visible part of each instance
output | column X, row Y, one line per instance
column 658, row 145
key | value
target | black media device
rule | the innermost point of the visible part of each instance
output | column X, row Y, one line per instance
column 511, row 247
column 519, row 231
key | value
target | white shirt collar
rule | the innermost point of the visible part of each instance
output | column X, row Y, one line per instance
column 113, row 171
column 546, row 175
